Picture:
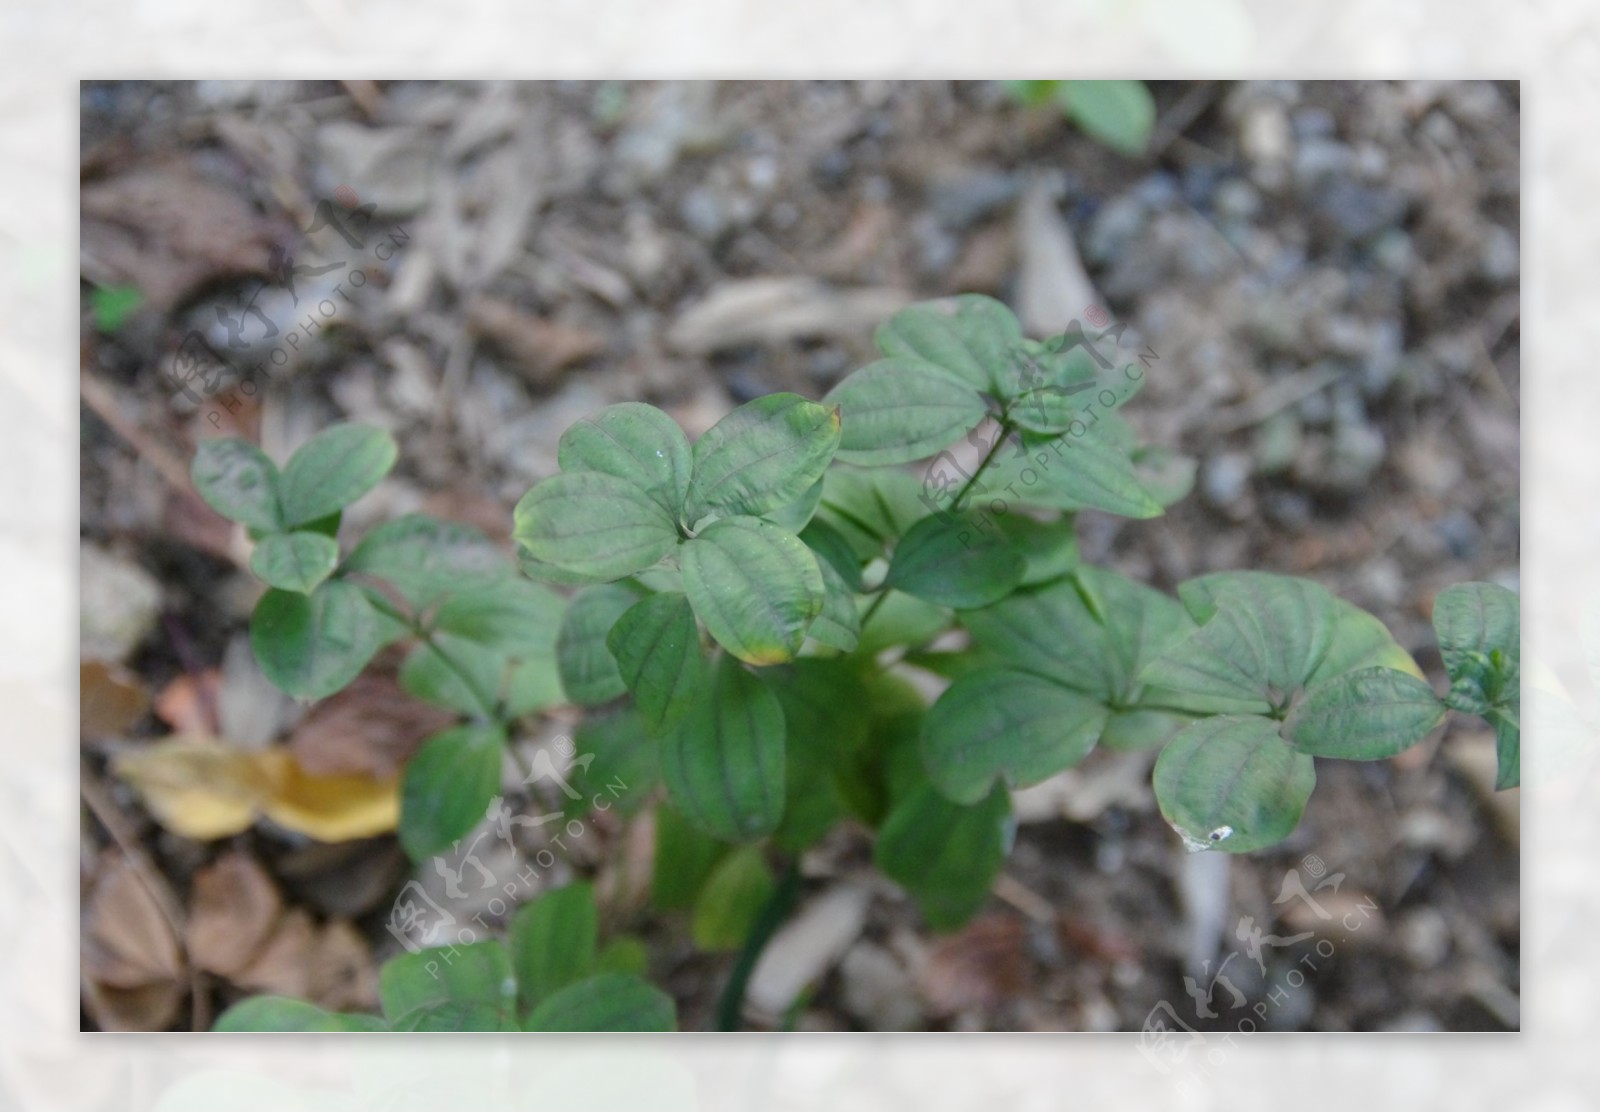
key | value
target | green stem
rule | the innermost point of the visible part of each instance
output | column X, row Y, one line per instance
column 425, row 635
column 1006, row 429
column 730, row 1006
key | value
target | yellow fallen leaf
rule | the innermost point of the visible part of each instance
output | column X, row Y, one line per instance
column 329, row 809
column 202, row 789
column 196, row 787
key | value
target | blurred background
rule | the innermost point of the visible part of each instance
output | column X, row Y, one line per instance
column 1327, row 273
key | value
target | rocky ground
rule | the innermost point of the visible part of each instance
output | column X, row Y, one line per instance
column 1328, row 274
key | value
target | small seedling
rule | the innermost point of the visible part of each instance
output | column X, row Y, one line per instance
column 747, row 612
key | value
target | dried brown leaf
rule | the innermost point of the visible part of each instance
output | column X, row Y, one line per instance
column 169, row 230
column 541, row 348
column 978, row 968
column 189, row 703
column 340, row 971
column 283, row 964
column 234, row 910
column 369, row 729
column 110, row 699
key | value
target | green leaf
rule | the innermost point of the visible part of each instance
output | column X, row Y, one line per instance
column 1365, row 715
column 624, row 766
column 605, row 1003
column 824, row 727
column 1118, row 113
column 460, row 675
column 968, row 337
column 1359, row 641
column 656, row 645
column 515, row 616
column 1064, row 390
column 1231, row 783
column 269, row 1013
column 899, row 410
column 1168, row 476
column 469, row 974
column 1262, row 637
column 903, row 621
column 945, row 855
column 312, row 645
column 763, row 455
column 795, row 516
column 1479, row 626
column 448, row 787
column 724, row 765
column 425, row 558
column 295, row 561
column 457, row 1016
column 333, row 469
column 635, row 442
column 588, row 671
column 594, row 523
column 1002, row 723
column 1069, row 471
column 1094, row 631
column 959, row 560
column 833, row 551
column 685, row 857
column 1141, row 728
column 553, row 941
column 731, row 900
column 1032, row 93
column 625, row 954
column 238, row 481
column 1049, row 549
column 839, row 624
column 755, row 586
column 534, row 684
column 112, row 306
column 1506, row 719
column 869, row 506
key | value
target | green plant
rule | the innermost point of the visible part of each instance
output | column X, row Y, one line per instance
column 548, row 976
column 757, row 615
column 1119, row 114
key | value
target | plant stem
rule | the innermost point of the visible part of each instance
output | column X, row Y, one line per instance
column 425, row 635
column 1006, row 429
column 730, row 1006
column 872, row 610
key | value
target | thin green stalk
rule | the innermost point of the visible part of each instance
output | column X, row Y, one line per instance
column 1006, row 429
column 730, row 1006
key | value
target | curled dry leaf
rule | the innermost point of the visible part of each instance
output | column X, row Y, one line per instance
column 202, row 789
column 133, row 971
